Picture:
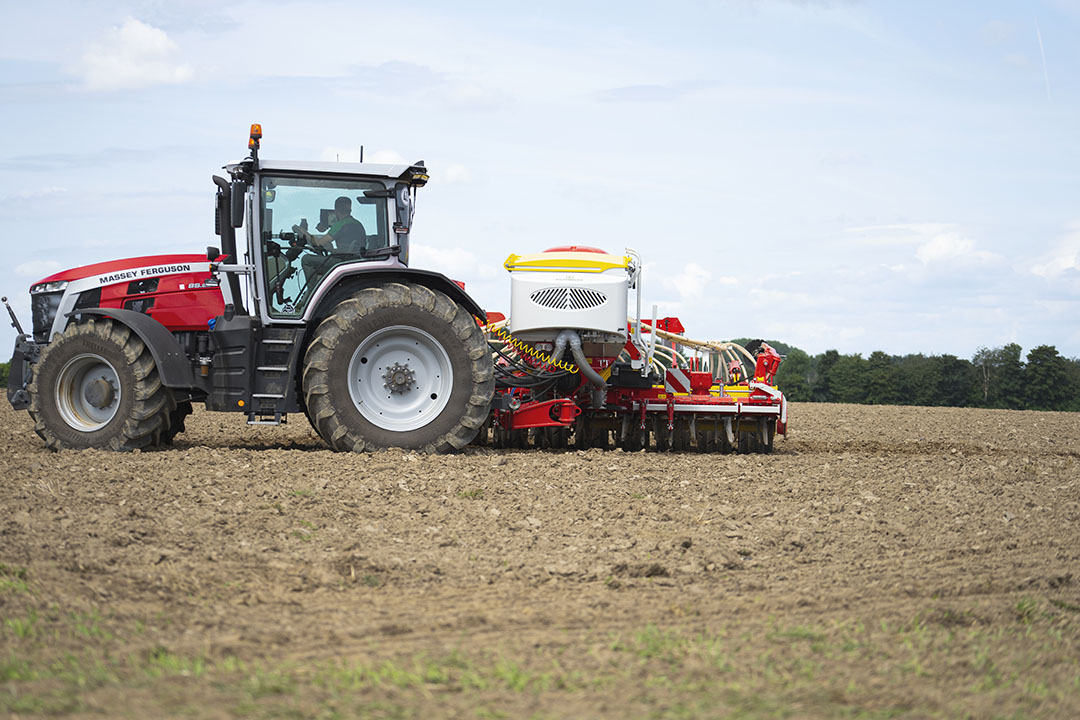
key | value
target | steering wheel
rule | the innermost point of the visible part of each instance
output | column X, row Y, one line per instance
column 303, row 240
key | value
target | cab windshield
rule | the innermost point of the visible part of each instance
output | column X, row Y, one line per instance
column 311, row 225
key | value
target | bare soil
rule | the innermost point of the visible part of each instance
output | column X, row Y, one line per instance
column 868, row 531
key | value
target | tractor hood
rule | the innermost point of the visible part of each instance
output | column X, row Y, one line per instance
column 127, row 264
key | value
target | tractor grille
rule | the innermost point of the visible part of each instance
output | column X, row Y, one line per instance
column 43, row 308
column 568, row 298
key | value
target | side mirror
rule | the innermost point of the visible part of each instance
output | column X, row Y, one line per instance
column 239, row 192
column 212, row 253
column 404, row 208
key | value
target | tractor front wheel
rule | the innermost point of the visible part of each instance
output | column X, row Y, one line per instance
column 96, row 386
column 398, row 365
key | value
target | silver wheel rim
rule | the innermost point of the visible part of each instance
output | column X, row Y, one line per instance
column 400, row 378
column 88, row 392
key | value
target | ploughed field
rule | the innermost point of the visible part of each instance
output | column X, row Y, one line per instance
column 882, row 562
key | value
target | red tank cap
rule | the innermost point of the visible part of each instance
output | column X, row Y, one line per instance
column 576, row 248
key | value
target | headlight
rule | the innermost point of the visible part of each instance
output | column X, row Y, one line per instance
column 58, row 286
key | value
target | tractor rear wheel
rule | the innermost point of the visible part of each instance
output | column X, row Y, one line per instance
column 398, row 365
column 96, row 386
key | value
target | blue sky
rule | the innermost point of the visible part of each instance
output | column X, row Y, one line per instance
column 849, row 175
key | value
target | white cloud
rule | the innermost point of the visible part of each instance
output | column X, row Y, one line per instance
column 950, row 245
column 38, row 268
column 1064, row 257
column 936, row 242
column 132, row 56
column 693, row 282
column 944, row 246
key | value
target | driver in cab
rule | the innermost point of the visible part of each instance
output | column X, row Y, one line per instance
column 346, row 234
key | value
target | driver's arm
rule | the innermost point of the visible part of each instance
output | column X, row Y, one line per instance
column 318, row 240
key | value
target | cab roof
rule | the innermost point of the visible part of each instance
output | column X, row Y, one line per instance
column 393, row 171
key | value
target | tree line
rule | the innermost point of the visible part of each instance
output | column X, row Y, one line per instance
column 993, row 378
column 1000, row 377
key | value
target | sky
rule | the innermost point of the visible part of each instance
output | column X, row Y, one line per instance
column 841, row 175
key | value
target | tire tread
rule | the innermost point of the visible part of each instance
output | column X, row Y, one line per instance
column 326, row 419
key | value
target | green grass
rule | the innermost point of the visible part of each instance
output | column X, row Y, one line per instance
column 1016, row 659
column 1065, row 605
column 13, row 580
column 23, row 627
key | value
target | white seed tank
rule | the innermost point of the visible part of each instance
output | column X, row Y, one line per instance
column 576, row 289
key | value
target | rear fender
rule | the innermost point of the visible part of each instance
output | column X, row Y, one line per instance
column 172, row 362
column 359, row 278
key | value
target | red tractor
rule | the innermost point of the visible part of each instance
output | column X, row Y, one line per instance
column 320, row 313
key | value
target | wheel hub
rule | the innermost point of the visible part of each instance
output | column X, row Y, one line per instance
column 99, row 393
column 399, row 378
column 88, row 392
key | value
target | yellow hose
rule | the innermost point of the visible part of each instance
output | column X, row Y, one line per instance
column 531, row 351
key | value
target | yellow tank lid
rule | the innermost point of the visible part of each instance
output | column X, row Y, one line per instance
column 566, row 261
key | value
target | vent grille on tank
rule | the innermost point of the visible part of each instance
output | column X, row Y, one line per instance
column 568, row 298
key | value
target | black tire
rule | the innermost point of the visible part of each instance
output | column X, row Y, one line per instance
column 483, row 436
column 452, row 418
column 136, row 413
column 711, row 437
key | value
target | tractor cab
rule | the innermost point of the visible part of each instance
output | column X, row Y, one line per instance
column 304, row 225
column 311, row 224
